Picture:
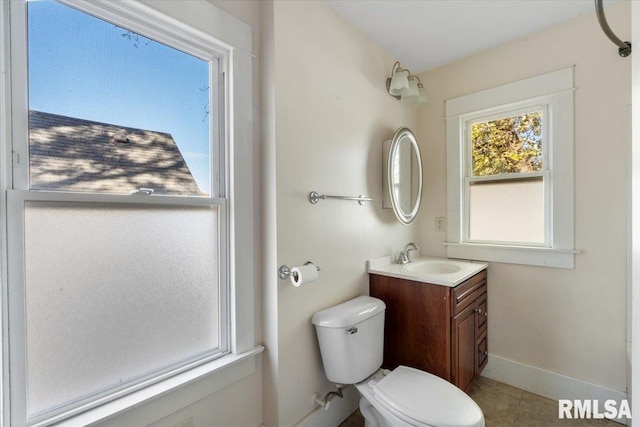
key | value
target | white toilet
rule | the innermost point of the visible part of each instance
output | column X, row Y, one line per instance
column 351, row 337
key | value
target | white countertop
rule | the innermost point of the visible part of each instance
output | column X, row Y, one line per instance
column 438, row 271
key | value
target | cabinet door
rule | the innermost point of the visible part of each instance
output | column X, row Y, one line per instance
column 417, row 328
column 464, row 354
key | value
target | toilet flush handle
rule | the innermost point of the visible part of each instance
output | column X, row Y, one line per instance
column 352, row 331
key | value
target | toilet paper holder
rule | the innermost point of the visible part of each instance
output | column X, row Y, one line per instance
column 284, row 271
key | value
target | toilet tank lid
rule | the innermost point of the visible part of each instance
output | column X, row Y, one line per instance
column 348, row 313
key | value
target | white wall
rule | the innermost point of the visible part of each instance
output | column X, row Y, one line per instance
column 570, row 322
column 331, row 115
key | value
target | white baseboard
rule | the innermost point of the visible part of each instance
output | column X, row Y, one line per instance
column 535, row 380
column 548, row 384
column 338, row 411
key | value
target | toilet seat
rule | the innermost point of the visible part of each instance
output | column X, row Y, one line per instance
column 418, row 397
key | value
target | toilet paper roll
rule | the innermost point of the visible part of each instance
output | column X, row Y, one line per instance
column 303, row 275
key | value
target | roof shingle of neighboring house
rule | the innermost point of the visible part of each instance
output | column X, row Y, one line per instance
column 72, row 154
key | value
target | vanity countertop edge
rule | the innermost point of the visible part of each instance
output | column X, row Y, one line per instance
column 385, row 266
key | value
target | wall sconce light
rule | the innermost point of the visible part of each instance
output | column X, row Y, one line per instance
column 405, row 86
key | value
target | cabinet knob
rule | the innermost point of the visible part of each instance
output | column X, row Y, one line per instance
column 484, row 353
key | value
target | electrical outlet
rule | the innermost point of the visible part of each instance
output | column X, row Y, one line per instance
column 186, row 423
column 441, row 224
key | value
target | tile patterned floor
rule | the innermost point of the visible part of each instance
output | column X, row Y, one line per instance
column 506, row 406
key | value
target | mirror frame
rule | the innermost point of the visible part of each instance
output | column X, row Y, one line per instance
column 401, row 133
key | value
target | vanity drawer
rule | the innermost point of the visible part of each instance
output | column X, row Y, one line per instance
column 468, row 291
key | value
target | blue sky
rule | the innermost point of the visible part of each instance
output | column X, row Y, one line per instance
column 83, row 67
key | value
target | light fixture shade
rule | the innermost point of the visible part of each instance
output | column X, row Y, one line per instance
column 399, row 82
column 413, row 88
column 412, row 93
column 422, row 97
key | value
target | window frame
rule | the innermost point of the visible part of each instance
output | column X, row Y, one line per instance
column 555, row 92
column 231, row 192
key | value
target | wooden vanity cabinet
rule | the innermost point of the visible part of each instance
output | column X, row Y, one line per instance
column 438, row 329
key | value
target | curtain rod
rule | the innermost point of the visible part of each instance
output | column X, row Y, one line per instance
column 624, row 47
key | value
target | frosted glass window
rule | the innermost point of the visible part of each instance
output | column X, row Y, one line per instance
column 115, row 293
column 507, row 211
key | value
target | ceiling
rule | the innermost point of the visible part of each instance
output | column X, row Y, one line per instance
column 424, row 34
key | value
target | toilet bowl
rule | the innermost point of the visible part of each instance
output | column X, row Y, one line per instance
column 351, row 337
column 410, row 397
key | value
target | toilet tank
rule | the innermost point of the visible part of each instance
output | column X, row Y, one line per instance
column 351, row 338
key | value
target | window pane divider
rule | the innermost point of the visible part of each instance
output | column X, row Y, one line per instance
column 509, row 176
column 61, row 196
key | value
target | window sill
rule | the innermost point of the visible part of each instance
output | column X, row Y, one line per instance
column 204, row 379
column 544, row 257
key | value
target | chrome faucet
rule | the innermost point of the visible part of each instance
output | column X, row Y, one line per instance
column 404, row 255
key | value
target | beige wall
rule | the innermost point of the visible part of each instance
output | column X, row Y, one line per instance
column 323, row 113
column 566, row 321
column 331, row 115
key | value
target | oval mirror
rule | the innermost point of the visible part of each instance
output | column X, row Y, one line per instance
column 404, row 167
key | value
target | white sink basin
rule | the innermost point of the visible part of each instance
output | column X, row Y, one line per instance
column 439, row 271
column 433, row 267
